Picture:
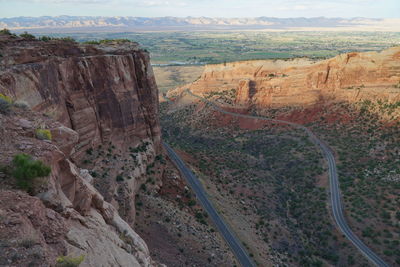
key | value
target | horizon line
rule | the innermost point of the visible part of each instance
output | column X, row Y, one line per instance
column 211, row 17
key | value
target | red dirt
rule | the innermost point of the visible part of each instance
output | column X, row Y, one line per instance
column 314, row 113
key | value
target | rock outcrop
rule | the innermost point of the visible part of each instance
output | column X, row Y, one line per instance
column 68, row 216
column 90, row 98
column 105, row 93
column 300, row 82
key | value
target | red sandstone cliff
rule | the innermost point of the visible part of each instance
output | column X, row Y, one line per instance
column 99, row 100
column 105, row 93
column 266, row 83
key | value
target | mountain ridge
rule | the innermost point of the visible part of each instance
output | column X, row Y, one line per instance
column 199, row 23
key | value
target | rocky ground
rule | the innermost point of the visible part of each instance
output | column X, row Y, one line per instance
column 176, row 228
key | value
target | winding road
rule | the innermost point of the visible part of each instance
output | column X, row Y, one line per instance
column 233, row 242
column 335, row 198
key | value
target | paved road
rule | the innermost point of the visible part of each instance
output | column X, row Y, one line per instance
column 227, row 233
column 335, row 198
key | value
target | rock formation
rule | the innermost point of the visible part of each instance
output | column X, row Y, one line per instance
column 105, row 93
column 87, row 97
column 301, row 82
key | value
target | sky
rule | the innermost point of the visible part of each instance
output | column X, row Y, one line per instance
column 208, row 8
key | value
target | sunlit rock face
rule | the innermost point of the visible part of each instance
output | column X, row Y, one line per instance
column 300, row 82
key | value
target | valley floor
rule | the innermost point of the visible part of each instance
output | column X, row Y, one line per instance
column 269, row 183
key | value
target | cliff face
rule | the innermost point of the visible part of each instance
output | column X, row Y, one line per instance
column 103, row 93
column 300, row 82
column 101, row 105
column 67, row 215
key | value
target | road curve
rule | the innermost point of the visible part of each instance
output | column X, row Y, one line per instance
column 227, row 233
column 335, row 198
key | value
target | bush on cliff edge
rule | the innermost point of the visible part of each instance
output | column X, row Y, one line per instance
column 69, row 261
column 26, row 170
column 5, row 107
column 43, row 134
column 5, row 104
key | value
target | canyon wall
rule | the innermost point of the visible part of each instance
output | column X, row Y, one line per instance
column 299, row 82
column 105, row 93
column 100, row 100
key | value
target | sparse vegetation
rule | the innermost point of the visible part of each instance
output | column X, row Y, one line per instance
column 26, row 170
column 89, row 151
column 119, row 178
column 278, row 165
column 27, row 242
column 45, row 38
column 5, row 107
column 66, row 39
column 6, row 98
column 107, row 41
column 43, row 134
column 21, row 104
column 5, row 32
column 6, row 104
column 28, row 36
column 69, row 261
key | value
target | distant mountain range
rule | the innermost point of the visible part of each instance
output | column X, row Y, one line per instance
column 65, row 23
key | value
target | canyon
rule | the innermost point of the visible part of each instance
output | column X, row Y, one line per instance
column 302, row 82
column 86, row 97
column 98, row 107
column 114, row 198
column 268, row 180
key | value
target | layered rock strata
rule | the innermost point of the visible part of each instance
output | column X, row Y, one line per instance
column 105, row 93
column 91, row 98
column 301, row 82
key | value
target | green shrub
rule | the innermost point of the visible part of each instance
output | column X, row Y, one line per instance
column 27, row 243
column 21, row 104
column 107, row 41
column 67, row 39
column 26, row 170
column 43, row 134
column 119, row 178
column 45, row 38
column 5, row 31
column 69, row 261
column 6, row 98
column 5, row 107
column 92, row 42
column 27, row 35
column 89, row 151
